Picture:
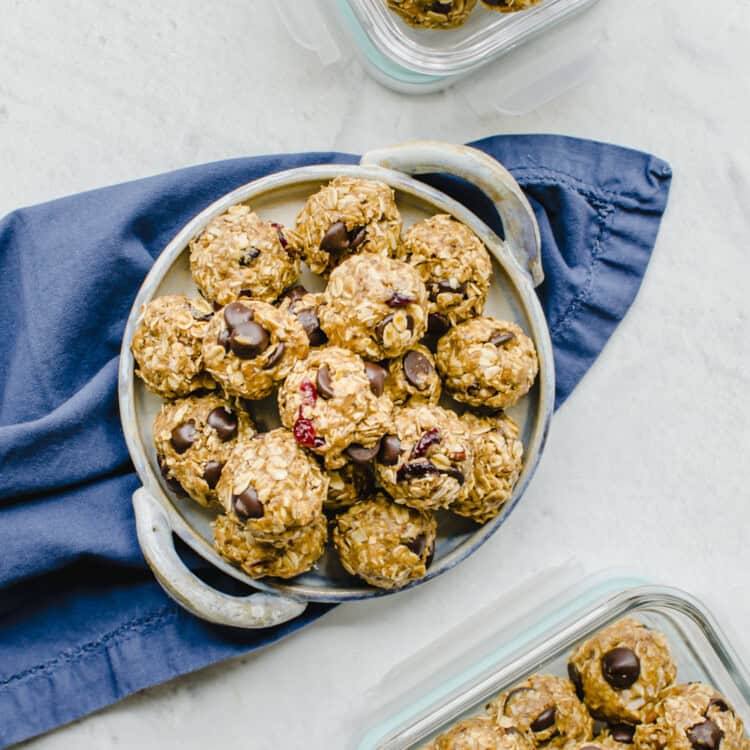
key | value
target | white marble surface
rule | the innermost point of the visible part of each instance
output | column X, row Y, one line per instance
column 647, row 464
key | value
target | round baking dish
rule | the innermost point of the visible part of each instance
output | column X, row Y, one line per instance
column 517, row 270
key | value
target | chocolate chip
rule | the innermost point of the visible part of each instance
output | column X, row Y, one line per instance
column 294, row 293
column 246, row 505
column 323, row 382
column 511, row 695
column 376, row 375
column 457, row 474
column 249, row 256
column 336, row 239
column 248, row 340
column 279, row 231
column 575, row 678
column 201, row 316
column 309, row 321
column 409, row 323
column 502, row 338
column 720, row 704
column 357, row 236
column 275, row 356
column 441, row 7
column 183, row 436
column 417, row 369
column 245, row 293
column 172, row 483
column 621, row 667
column 223, row 339
column 437, row 324
column 380, row 327
column 397, row 299
column 390, row 450
column 622, row 733
column 544, row 721
column 361, row 455
column 705, row 736
column 224, row 422
column 236, row 314
column 417, row 545
column 212, row 473
column 446, row 286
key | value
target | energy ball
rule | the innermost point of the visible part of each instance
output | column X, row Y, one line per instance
column 487, row 362
column 375, row 306
column 480, row 733
column 272, row 487
column 498, row 460
column 237, row 545
column 304, row 306
column 692, row 717
column 239, row 254
column 194, row 438
column 427, row 462
column 345, row 217
column 545, row 706
column 167, row 345
column 348, row 485
column 433, row 14
column 251, row 346
column 386, row 545
column 454, row 265
column 621, row 671
column 333, row 401
column 509, row 6
column 413, row 378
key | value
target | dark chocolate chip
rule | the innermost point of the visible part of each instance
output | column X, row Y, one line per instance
column 502, row 338
column 216, row 306
column 380, row 327
column 245, row 293
column 212, row 473
column 417, row 369
column 545, row 720
column 622, row 733
column 417, row 545
column 441, row 7
column 323, row 382
column 437, row 324
column 720, row 703
column 361, row 455
column 235, row 314
column 390, row 450
column 397, row 299
column 275, row 356
column 223, row 338
column 249, row 256
column 446, row 286
column 705, row 736
column 172, row 483
column 309, row 321
column 511, row 695
column 336, row 239
column 224, row 422
column 246, row 505
column 409, row 323
column 457, row 474
column 621, row 667
column 357, row 236
column 295, row 293
column 376, row 375
column 248, row 340
column 183, row 436
column 575, row 678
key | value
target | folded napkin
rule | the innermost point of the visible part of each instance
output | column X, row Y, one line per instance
column 82, row 621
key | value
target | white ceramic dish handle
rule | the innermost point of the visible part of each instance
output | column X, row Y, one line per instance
column 519, row 222
column 259, row 610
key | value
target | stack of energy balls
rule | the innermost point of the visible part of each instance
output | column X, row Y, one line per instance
column 358, row 371
column 620, row 692
column 448, row 14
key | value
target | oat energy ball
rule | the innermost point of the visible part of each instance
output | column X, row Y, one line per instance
column 386, row 545
column 454, row 265
column 167, row 344
column 348, row 485
column 480, row 733
column 498, row 460
column 621, row 671
column 273, row 487
column 510, row 6
column 692, row 716
column 334, row 403
column 345, row 217
column 239, row 254
column 427, row 461
column 235, row 543
column 194, row 437
column 487, row 362
column 304, row 306
column 251, row 346
column 433, row 14
column 413, row 378
column 548, row 708
column 377, row 307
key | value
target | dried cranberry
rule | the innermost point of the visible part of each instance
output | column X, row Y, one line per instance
column 431, row 437
column 304, row 432
column 279, row 231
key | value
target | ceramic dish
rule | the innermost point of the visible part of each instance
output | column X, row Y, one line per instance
column 278, row 197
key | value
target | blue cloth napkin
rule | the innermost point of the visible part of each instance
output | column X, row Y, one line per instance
column 82, row 621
